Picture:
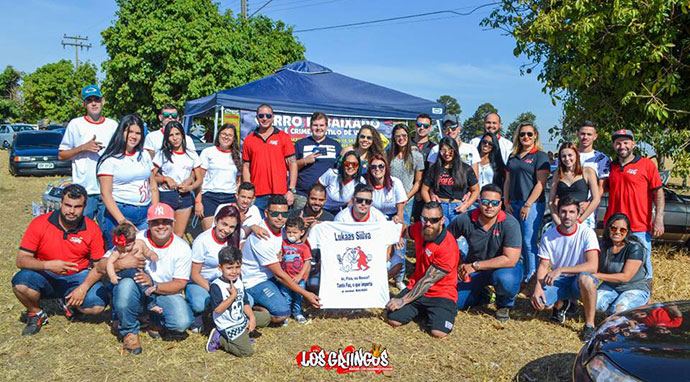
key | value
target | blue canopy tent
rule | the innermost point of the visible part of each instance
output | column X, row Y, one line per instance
column 304, row 87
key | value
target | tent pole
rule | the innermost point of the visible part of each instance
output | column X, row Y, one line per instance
column 215, row 125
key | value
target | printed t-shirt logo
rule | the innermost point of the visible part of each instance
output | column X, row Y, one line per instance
column 632, row 171
column 75, row 239
column 428, row 252
column 273, row 142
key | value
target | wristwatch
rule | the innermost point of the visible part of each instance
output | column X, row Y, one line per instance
column 293, row 190
column 475, row 265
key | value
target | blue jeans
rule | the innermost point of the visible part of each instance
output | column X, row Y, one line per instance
column 150, row 301
column 506, row 282
column 52, row 285
column 565, row 288
column 127, row 303
column 94, row 208
column 611, row 302
column 646, row 240
column 135, row 214
column 450, row 214
column 293, row 299
column 268, row 295
column 530, row 234
column 198, row 298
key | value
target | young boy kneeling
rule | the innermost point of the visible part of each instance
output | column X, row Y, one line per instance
column 232, row 314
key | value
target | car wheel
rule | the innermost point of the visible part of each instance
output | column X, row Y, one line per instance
column 5, row 145
column 12, row 170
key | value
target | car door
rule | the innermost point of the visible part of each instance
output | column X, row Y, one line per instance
column 5, row 135
column 676, row 228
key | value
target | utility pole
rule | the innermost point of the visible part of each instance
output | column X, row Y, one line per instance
column 244, row 9
column 76, row 44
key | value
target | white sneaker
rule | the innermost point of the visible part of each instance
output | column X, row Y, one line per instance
column 301, row 319
column 285, row 323
column 197, row 325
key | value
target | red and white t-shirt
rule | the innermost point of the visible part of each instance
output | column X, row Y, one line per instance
column 205, row 252
column 258, row 254
column 178, row 167
column 337, row 194
column 346, row 216
column 221, row 171
column 154, row 141
column 444, row 254
column 567, row 250
column 79, row 131
column 386, row 200
column 131, row 175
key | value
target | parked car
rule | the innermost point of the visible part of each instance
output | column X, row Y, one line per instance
column 649, row 343
column 9, row 131
column 54, row 127
column 36, row 153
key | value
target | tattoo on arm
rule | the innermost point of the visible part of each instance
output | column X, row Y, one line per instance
column 433, row 274
column 292, row 159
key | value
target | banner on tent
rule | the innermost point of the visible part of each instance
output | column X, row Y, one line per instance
column 342, row 129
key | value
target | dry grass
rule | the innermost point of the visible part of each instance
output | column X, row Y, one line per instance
column 527, row 348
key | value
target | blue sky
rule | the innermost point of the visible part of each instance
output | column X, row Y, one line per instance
column 427, row 56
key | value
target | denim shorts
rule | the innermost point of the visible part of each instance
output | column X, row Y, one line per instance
column 211, row 201
column 176, row 200
column 52, row 285
column 611, row 301
column 565, row 288
column 269, row 296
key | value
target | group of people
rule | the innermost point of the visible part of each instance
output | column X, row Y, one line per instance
column 474, row 211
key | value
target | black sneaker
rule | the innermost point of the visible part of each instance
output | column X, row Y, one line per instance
column 34, row 321
column 573, row 309
column 587, row 333
column 502, row 314
column 558, row 315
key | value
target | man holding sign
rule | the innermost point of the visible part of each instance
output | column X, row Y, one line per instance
column 432, row 287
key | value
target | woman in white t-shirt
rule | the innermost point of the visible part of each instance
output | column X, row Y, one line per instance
column 225, row 232
column 340, row 183
column 125, row 175
column 491, row 166
column 177, row 172
column 219, row 168
column 389, row 194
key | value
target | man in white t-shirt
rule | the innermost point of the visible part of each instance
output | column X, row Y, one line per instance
column 166, row 277
column 360, row 209
column 571, row 250
column 261, row 270
column 492, row 124
column 84, row 142
column 154, row 139
column 468, row 153
column 600, row 162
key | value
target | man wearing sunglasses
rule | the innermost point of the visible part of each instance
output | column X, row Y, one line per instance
column 432, row 289
column 268, row 154
column 494, row 254
column 154, row 139
column 424, row 145
column 492, row 124
column 261, row 270
column 360, row 209
column 468, row 153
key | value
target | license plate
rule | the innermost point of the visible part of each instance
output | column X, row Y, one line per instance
column 46, row 165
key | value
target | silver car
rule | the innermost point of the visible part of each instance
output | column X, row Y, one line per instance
column 9, row 131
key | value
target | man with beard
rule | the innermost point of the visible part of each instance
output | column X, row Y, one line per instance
column 432, row 287
column 53, row 259
column 492, row 124
column 634, row 184
column 313, row 211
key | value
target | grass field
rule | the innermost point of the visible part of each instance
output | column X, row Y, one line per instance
column 527, row 348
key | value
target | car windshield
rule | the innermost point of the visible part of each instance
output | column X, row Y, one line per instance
column 23, row 128
column 38, row 140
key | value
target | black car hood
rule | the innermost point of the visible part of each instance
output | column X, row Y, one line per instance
column 651, row 342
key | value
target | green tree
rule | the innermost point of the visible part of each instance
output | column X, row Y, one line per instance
column 474, row 125
column 53, row 91
column 452, row 105
column 173, row 51
column 526, row 117
column 10, row 107
column 623, row 64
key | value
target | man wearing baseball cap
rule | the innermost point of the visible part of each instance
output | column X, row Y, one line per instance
column 468, row 153
column 634, row 185
column 84, row 141
column 168, row 277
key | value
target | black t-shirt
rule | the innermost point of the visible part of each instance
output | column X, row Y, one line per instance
column 614, row 263
column 446, row 183
column 523, row 174
column 485, row 245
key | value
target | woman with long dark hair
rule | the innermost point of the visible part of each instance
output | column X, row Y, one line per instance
column 125, row 175
column 406, row 163
column 621, row 268
column 220, row 169
column 226, row 232
column 523, row 190
column 389, row 195
column 368, row 144
column 448, row 181
column 177, row 172
column 577, row 181
column 340, row 183
column 491, row 166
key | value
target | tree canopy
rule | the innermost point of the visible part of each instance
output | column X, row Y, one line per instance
column 526, row 117
column 10, row 107
column 451, row 103
column 623, row 64
column 474, row 125
column 173, row 51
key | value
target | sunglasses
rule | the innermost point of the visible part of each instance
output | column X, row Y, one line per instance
column 431, row 220
column 367, row 137
column 423, row 125
column 275, row 214
column 489, row 202
column 453, row 127
column 526, row 133
column 167, row 114
column 622, row 230
column 398, row 136
column 488, row 143
column 377, row 166
column 366, row 201
column 264, row 116
column 351, row 164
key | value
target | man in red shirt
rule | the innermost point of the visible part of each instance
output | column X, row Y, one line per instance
column 432, row 289
column 634, row 184
column 268, row 154
column 54, row 258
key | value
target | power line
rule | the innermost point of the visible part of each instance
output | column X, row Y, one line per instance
column 289, row 6
column 397, row 18
column 260, row 8
column 76, row 44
